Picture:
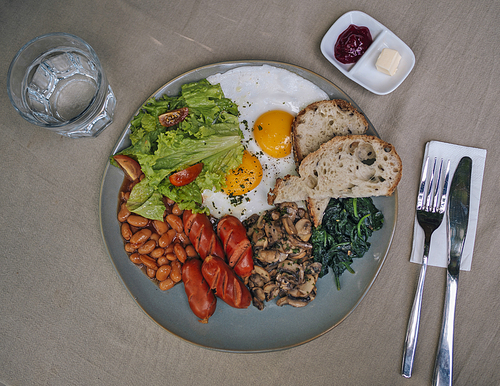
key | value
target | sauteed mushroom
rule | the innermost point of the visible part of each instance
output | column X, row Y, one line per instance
column 283, row 257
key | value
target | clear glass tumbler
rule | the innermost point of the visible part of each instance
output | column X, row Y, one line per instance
column 56, row 81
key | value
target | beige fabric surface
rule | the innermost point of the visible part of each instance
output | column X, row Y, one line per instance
column 66, row 318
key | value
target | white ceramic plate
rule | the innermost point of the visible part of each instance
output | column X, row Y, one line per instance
column 364, row 72
column 248, row 330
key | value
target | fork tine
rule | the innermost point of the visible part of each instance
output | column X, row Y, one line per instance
column 428, row 200
column 436, row 188
column 421, row 190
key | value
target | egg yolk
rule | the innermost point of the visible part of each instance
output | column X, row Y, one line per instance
column 272, row 132
column 245, row 177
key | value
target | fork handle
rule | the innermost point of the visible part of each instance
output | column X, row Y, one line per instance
column 443, row 368
column 410, row 344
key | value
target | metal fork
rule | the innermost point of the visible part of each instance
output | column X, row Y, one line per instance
column 431, row 206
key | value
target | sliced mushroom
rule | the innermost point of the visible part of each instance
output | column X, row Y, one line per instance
column 261, row 222
column 299, row 243
column 305, row 288
column 262, row 273
column 275, row 215
column 271, row 290
column 298, row 256
column 314, row 268
column 289, row 267
column 273, row 232
column 257, row 303
column 290, row 208
column 289, row 226
column 293, row 302
column 258, row 293
column 304, row 229
column 261, row 243
column 256, row 280
column 271, row 256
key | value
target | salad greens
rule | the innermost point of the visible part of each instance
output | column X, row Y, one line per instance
column 209, row 134
column 343, row 235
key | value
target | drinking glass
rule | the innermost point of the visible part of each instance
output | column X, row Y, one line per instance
column 56, row 81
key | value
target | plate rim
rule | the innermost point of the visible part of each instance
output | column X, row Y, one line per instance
column 125, row 132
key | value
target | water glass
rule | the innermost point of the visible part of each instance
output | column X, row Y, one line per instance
column 56, row 81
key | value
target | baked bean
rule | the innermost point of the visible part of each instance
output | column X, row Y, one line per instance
column 166, row 284
column 163, row 272
column 126, row 196
column 140, row 237
column 160, row 226
column 176, row 273
column 162, row 261
column 150, row 272
column 135, row 258
column 182, row 237
column 147, row 247
column 170, row 202
column 129, row 248
column 169, row 249
column 175, row 222
column 171, row 256
column 190, row 251
column 155, row 237
column 137, row 221
column 148, row 262
column 124, row 213
column 180, row 252
column 167, row 238
column 157, row 253
column 176, row 210
column 126, row 232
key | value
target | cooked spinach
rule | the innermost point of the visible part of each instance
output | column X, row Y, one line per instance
column 347, row 225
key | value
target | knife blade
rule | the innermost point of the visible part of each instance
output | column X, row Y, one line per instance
column 457, row 223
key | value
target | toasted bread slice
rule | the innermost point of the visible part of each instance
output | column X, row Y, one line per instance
column 318, row 123
column 345, row 166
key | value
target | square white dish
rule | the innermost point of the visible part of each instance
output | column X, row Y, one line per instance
column 364, row 72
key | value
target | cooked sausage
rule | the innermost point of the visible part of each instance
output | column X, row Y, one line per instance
column 228, row 287
column 201, row 233
column 236, row 245
column 202, row 300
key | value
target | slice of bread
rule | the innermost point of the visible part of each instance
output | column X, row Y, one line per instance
column 345, row 166
column 316, row 124
column 321, row 121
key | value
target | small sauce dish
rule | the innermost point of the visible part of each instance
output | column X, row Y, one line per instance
column 364, row 72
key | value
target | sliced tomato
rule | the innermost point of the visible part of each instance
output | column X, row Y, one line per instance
column 186, row 176
column 129, row 166
column 173, row 117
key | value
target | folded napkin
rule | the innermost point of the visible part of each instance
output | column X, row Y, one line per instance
column 438, row 254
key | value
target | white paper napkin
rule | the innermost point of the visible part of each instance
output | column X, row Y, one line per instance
column 438, row 254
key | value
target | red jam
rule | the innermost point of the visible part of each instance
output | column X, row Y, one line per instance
column 352, row 44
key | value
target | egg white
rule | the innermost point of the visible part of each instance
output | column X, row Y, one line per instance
column 256, row 90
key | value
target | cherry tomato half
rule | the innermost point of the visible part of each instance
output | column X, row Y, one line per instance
column 173, row 117
column 186, row 176
column 129, row 166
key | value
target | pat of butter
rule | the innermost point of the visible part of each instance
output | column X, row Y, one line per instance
column 388, row 61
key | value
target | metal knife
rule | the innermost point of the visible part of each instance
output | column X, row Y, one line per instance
column 457, row 221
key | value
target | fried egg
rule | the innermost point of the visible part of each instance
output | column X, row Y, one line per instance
column 268, row 99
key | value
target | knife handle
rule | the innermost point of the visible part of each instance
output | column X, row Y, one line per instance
column 443, row 367
column 410, row 344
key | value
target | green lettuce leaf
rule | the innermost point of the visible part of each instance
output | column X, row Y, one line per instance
column 210, row 134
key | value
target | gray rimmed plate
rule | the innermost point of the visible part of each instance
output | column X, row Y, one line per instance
column 248, row 330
